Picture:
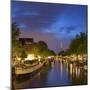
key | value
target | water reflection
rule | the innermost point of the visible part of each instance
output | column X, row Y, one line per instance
column 55, row 74
column 77, row 74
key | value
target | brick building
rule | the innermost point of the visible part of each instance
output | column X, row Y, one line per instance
column 27, row 43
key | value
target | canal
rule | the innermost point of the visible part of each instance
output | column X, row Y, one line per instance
column 54, row 74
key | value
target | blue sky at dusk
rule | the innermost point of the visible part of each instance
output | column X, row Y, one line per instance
column 52, row 23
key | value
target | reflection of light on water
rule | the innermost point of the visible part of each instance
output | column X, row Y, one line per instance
column 71, row 69
column 56, row 76
column 52, row 65
column 79, row 72
column 38, row 75
column 67, row 67
column 73, row 72
column 61, row 67
column 76, row 72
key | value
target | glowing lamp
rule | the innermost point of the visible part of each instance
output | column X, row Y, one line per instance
column 30, row 57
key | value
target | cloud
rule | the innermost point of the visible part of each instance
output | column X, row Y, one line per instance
column 35, row 15
column 68, row 29
column 39, row 36
column 49, row 22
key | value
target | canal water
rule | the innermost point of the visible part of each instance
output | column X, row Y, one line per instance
column 53, row 75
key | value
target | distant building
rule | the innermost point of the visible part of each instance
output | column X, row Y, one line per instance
column 27, row 43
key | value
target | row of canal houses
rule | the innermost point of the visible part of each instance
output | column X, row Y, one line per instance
column 27, row 44
column 26, row 66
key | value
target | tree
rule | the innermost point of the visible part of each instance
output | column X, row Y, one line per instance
column 40, row 48
column 78, row 44
column 17, row 49
column 43, row 44
column 15, row 35
column 15, row 43
column 48, row 52
column 23, row 54
column 61, row 53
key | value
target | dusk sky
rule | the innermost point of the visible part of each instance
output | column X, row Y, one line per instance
column 52, row 23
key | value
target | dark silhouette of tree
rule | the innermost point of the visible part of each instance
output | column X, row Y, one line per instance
column 78, row 45
column 61, row 53
column 17, row 49
column 43, row 44
column 41, row 48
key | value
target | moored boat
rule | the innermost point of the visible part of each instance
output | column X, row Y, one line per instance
column 27, row 70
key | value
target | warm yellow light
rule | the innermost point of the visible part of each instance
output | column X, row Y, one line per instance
column 49, row 57
column 39, row 57
column 30, row 57
column 18, row 59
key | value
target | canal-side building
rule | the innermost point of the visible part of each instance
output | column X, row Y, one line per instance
column 27, row 43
